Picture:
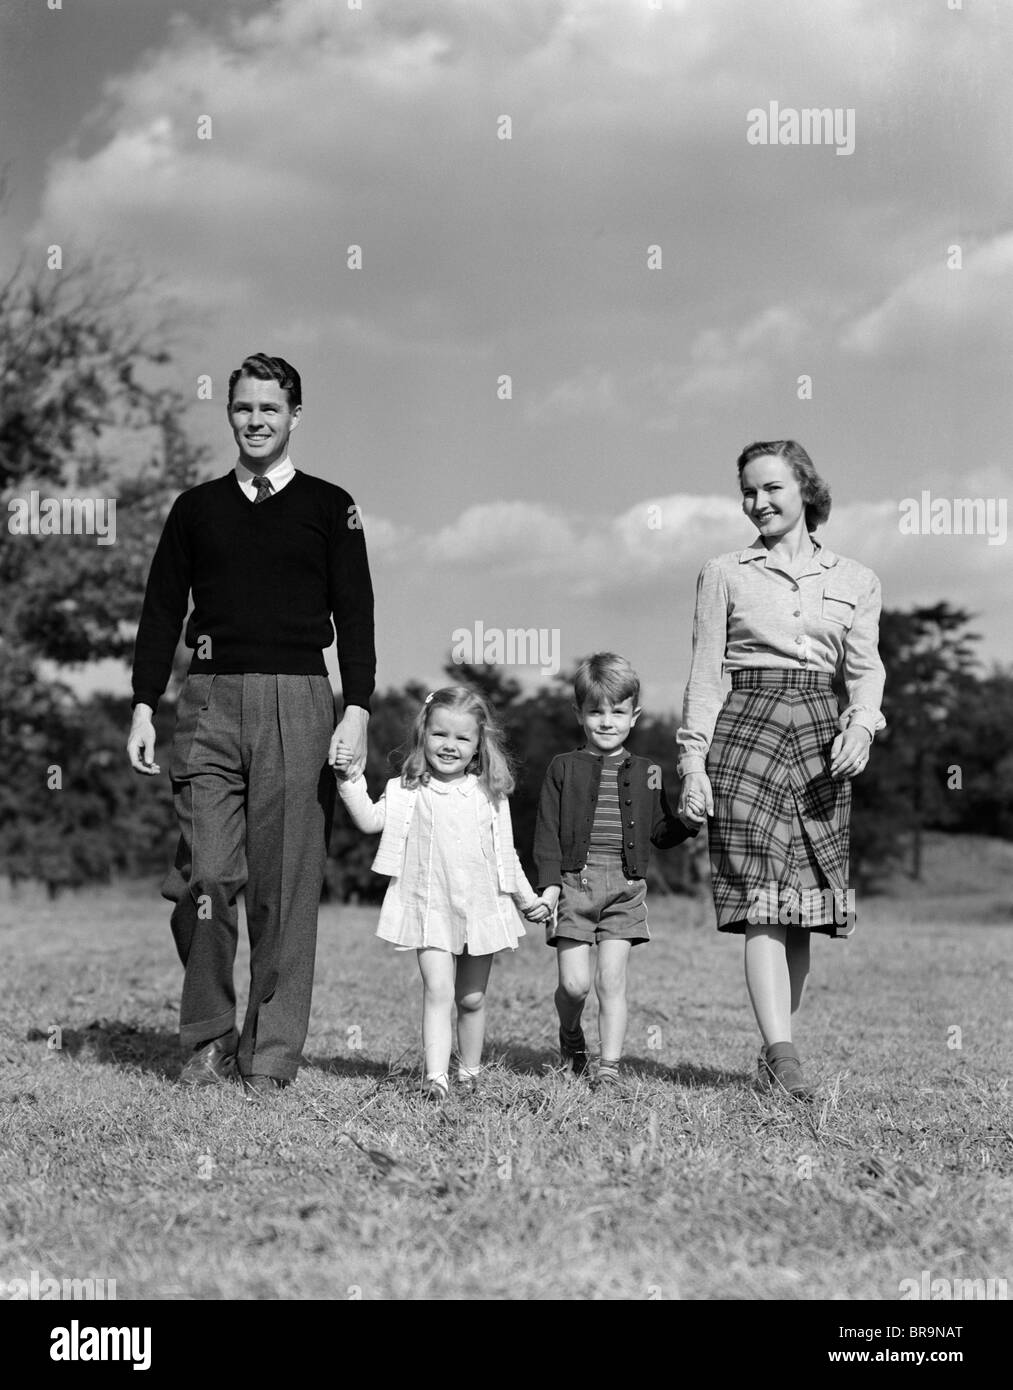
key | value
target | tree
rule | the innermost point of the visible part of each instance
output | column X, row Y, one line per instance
column 77, row 420
column 929, row 658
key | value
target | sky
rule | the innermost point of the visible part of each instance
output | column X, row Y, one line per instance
column 659, row 289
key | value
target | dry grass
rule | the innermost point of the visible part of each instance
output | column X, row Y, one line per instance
column 690, row 1186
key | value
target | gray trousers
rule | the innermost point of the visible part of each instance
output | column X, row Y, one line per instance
column 254, row 797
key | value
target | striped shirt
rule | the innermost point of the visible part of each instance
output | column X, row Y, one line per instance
column 607, row 829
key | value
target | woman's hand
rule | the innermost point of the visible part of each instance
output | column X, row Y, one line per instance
column 696, row 801
column 849, row 752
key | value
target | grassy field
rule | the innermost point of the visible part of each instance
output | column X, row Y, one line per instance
column 691, row 1186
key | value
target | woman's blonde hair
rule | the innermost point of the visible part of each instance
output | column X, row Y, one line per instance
column 491, row 763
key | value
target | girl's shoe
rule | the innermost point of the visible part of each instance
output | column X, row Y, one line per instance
column 434, row 1090
column 779, row 1069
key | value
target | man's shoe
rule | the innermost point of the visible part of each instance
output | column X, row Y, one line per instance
column 212, row 1063
column 263, row 1087
column 573, row 1052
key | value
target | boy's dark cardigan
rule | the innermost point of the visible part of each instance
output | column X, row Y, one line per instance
column 566, row 813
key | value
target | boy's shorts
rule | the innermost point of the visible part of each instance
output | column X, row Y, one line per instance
column 599, row 903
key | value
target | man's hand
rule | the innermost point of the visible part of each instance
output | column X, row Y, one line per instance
column 141, row 742
column 351, row 733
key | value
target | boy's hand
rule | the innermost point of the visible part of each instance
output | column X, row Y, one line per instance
column 550, row 896
column 538, row 911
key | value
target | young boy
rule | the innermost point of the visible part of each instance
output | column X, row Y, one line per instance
column 600, row 811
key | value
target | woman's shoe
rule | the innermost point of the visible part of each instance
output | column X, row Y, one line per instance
column 780, row 1070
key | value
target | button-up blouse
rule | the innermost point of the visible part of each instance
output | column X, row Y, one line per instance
column 751, row 612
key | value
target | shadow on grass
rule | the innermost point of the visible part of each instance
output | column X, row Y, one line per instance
column 346, row 1065
column 118, row 1043
column 532, row 1061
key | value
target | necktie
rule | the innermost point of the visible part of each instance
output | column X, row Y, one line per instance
column 264, row 489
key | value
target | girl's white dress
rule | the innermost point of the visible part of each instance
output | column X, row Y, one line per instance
column 448, row 894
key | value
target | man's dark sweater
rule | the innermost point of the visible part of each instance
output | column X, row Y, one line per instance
column 266, row 579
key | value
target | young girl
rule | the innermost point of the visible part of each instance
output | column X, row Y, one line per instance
column 448, row 845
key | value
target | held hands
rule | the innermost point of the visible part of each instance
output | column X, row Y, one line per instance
column 849, row 753
column 544, row 905
column 350, row 736
column 141, row 742
column 696, row 801
column 342, row 763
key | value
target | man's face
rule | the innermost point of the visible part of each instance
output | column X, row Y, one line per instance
column 261, row 420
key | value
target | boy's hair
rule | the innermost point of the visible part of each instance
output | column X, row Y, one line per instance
column 265, row 368
column 491, row 762
column 815, row 492
column 607, row 676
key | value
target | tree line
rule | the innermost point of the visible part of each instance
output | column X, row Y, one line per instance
column 80, row 379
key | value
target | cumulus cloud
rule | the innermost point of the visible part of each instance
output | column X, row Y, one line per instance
column 937, row 305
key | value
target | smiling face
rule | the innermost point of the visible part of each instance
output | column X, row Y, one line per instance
column 606, row 726
column 771, row 497
column 261, row 420
column 451, row 741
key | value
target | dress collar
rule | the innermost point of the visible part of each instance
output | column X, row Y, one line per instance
column 464, row 787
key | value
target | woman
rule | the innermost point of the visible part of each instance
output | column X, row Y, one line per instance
column 771, row 765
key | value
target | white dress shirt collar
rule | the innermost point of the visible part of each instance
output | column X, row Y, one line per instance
column 279, row 475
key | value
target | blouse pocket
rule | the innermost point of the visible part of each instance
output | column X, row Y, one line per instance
column 839, row 606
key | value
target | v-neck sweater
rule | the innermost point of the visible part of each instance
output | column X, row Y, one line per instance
column 267, row 580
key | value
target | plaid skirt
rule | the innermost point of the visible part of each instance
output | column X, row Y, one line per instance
column 780, row 833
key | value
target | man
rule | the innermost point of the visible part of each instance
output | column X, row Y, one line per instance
column 276, row 562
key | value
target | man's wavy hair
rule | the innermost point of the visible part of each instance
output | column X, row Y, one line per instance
column 265, row 368
column 815, row 492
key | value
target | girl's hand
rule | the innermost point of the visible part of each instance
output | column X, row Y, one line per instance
column 849, row 753
column 342, row 762
column 538, row 911
column 696, row 800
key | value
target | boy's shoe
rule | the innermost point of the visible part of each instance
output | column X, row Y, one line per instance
column 607, row 1078
column 573, row 1052
column 779, row 1069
